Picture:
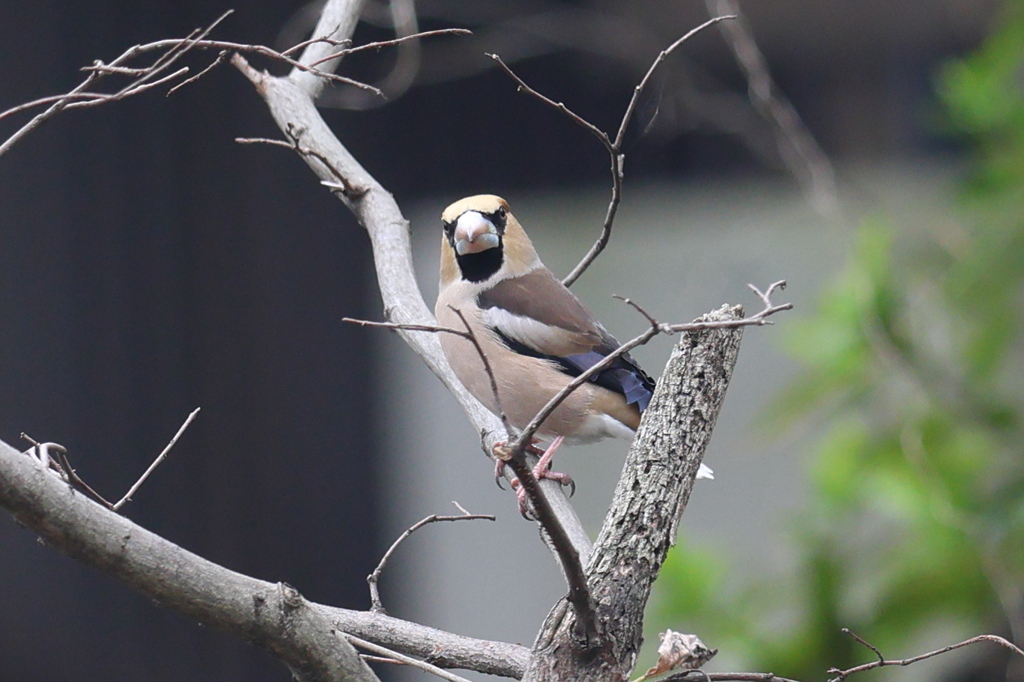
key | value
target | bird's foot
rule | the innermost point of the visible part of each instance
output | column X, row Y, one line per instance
column 563, row 479
column 499, row 462
column 541, row 471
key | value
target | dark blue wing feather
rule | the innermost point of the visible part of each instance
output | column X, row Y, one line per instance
column 624, row 376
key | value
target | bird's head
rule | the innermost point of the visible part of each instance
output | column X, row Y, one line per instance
column 481, row 239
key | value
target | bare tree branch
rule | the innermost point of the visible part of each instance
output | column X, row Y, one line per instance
column 614, row 147
column 438, row 647
column 882, row 662
column 144, row 78
column 62, row 467
column 701, row 676
column 396, row 41
column 174, row 50
column 160, row 458
column 272, row 616
column 374, row 578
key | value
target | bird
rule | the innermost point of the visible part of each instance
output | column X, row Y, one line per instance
column 535, row 334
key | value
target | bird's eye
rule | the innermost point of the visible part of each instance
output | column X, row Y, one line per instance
column 449, row 228
column 498, row 217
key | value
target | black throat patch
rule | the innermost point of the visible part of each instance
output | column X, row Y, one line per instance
column 476, row 267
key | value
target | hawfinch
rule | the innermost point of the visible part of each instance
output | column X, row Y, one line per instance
column 536, row 334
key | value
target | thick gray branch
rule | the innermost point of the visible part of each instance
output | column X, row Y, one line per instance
column 650, row 498
column 443, row 649
column 273, row 616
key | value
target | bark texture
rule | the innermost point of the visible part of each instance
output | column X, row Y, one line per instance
column 650, row 498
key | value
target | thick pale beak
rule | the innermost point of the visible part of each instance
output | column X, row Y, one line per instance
column 474, row 233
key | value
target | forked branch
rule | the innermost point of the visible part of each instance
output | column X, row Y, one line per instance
column 372, row 579
column 883, row 662
column 169, row 52
column 614, row 146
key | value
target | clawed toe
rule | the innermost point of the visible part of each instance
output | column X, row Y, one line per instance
column 541, row 471
column 558, row 477
column 499, row 472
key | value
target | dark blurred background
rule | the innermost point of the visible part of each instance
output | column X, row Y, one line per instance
column 150, row 265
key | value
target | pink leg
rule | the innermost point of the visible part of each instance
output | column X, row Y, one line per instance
column 543, row 470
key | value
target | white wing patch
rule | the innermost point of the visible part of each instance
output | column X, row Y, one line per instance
column 542, row 337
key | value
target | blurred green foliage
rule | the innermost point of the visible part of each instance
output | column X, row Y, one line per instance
column 914, row 364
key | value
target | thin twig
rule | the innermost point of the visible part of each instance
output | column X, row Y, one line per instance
column 631, row 107
column 617, row 162
column 224, row 56
column 468, row 334
column 597, row 132
column 655, row 328
column 75, row 480
column 342, row 184
column 402, row 658
column 613, row 147
column 156, row 462
column 148, row 77
column 406, row 327
column 851, row 633
column 68, row 97
column 61, row 465
column 882, row 662
column 375, row 602
column 701, row 676
column 306, row 43
column 246, row 48
column 579, row 595
column 760, row 319
column 370, row 658
column 488, row 369
column 394, row 41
